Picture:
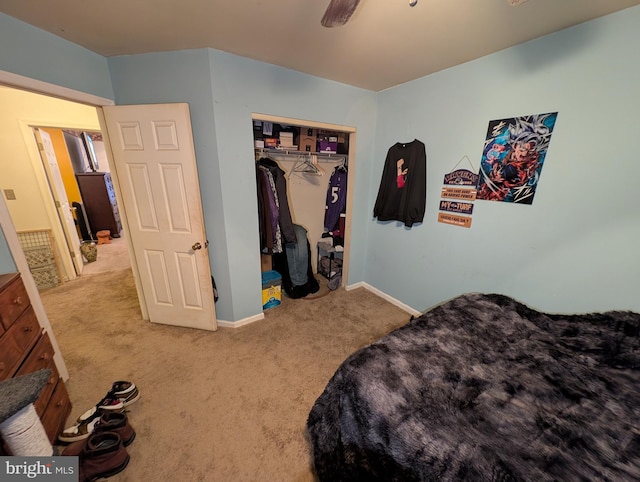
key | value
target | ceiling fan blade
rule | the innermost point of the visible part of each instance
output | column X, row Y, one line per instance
column 339, row 12
column 515, row 3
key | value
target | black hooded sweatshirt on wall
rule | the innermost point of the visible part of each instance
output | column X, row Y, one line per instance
column 403, row 187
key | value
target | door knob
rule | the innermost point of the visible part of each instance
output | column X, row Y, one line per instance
column 196, row 246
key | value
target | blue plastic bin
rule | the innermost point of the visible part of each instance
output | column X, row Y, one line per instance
column 271, row 289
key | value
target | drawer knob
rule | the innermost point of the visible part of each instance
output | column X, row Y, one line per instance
column 28, row 329
column 44, row 356
column 17, row 301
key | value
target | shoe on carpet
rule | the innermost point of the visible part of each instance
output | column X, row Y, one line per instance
column 79, row 431
column 108, row 422
column 102, row 456
column 119, row 423
column 125, row 391
column 108, row 403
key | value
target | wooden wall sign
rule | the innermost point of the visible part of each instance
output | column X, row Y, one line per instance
column 459, row 184
column 454, row 219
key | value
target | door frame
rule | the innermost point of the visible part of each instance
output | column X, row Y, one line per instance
column 43, row 180
column 52, row 90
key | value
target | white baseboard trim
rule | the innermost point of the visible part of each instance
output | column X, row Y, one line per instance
column 360, row 284
column 383, row 295
column 239, row 323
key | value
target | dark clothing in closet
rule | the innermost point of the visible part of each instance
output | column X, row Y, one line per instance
column 286, row 242
column 293, row 263
column 267, row 208
column 336, row 201
column 403, row 187
column 272, row 209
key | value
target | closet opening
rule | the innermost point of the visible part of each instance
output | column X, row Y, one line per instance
column 304, row 174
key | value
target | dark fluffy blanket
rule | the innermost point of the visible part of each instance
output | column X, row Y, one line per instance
column 484, row 388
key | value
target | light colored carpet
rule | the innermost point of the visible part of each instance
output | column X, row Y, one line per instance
column 217, row 406
column 111, row 257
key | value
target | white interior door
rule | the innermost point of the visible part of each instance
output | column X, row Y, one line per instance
column 154, row 161
column 48, row 155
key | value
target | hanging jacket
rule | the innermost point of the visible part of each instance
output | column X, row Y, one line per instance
column 284, row 214
column 336, row 201
column 265, row 227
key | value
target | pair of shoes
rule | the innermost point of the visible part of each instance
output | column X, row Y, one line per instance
column 107, row 422
column 122, row 394
column 86, row 422
column 104, row 452
column 107, row 404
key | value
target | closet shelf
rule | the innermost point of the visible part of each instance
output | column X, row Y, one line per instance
column 291, row 154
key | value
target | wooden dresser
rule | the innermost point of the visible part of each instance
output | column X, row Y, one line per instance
column 99, row 198
column 25, row 347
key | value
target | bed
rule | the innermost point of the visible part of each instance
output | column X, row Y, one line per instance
column 483, row 387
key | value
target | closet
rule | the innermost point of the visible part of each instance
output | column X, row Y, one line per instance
column 313, row 160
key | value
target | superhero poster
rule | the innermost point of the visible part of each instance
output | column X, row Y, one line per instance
column 513, row 156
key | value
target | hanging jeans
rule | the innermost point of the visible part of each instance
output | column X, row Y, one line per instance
column 291, row 267
column 298, row 257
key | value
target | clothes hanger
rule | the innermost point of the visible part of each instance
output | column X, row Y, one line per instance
column 308, row 164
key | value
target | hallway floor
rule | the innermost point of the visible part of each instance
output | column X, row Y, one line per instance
column 111, row 257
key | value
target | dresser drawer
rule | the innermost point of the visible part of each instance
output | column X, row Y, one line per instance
column 13, row 300
column 45, row 395
column 57, row 411
column 40, row 357
column 17, row 341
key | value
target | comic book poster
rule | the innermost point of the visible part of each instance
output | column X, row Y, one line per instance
column 513, row 156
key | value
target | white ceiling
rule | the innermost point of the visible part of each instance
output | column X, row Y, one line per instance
column 385, row 43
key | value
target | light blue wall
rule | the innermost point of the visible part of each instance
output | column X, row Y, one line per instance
column 223, row 90
column 7, row 265
column 34, row 53
column 576, row 247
